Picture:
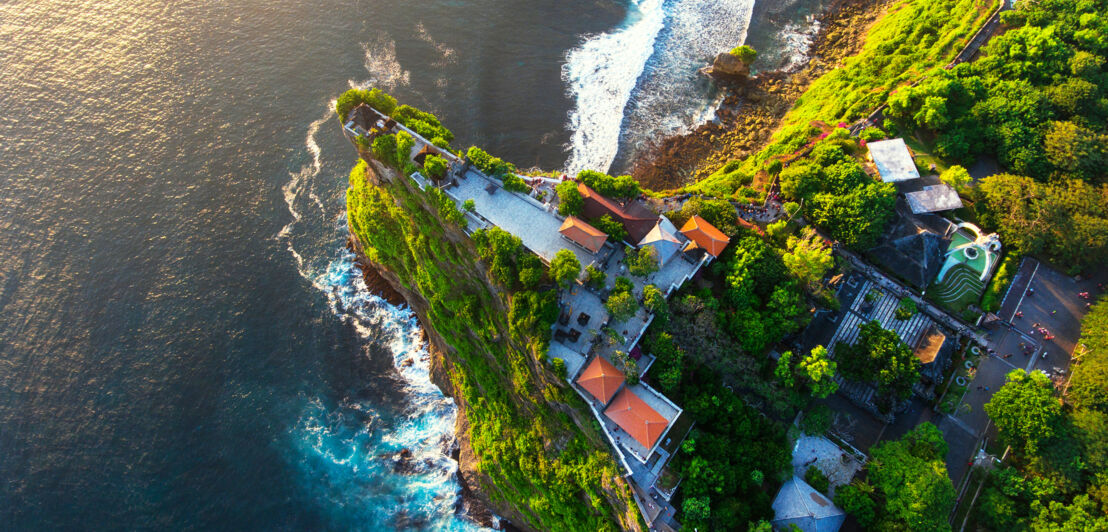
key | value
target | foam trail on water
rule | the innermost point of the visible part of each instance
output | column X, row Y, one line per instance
column 601, row 74
column 671, row 96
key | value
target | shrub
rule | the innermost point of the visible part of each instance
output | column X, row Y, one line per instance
column 745, row 53
column 906, row 309
column 375, row 98
column 816, row 479
column 513, row 183
column 872, row 133
column 622, row 187
column 469, row 205
column 653, row 299
column 994, row 294
column 817, row 421
column 623, row 284
column 492, row 166
column 384, row 150
column 422, row 122
column 559, row 367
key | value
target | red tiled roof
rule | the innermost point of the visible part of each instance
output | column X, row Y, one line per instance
column 582, row 233
column 601, row 379
column 635, row 417
column 705, row 235
column 635, row 217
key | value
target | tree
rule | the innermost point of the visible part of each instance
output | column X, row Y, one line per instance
column 1025, row 410
column 857, row 499
column 816, row 479
column 469, row 205
column 384, row 150
column 819, row 372
column 696, row 509
column 559, row 367
column 1076, row 150
column 784, row 370
column 570, row 201
column 564, row 268
column 621, row 305
column 808, row 259
column 906, row 309
column 435, row 166
column 911, row 475
column 615, row 230
column 641, row 262
column 653, row 299
column 594, row 277
column 816, row 421
column 622, row 187
column 879, row 356
column 957, row 177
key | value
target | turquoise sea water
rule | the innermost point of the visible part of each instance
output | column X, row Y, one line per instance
column 184, row 343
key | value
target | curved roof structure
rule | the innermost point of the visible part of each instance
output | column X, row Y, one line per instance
column 601, row 379
column 662, row 240
column 583, row 234
column 636, row 418
column 635, row 217
column 705, row 235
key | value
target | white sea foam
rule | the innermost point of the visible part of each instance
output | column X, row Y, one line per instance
column 640, row 82
column 601, row 74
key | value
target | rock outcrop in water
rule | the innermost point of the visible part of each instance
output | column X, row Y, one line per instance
column 729, row 67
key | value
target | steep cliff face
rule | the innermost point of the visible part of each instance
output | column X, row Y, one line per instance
column 528, row 448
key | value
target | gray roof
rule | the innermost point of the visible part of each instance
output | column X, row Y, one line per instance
column 933, row 198
column 893, row 160
column 914, row 247
column 663, row 240
column 799, row 504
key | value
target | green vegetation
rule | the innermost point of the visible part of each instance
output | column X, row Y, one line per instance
column 819, row 373
column 375, row 98
column 816, row 479
column 906, row 309
column 1064, row 220
column 435, row 167
column 565, row 268
column 745, row 53
column 907, row 487
column 615, row 230
column 621, row 303
column 642, row 261
column 494, row 366
column 994, row 294
column 1036, row 102
column 569, row 199
column 727, row 456
column 808, row 258
column 492, row 166
column 594, row 277
column 1057, row 477
column 879, row 356
column 915, row 36
column 763, row 302
column 838, row 195
column 425, row 124
column 957, row 177
column 622, row 187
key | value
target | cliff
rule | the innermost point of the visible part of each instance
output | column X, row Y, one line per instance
column 528, row 449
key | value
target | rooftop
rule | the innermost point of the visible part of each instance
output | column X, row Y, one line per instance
column 601, row 379
column 933, row 198
column 644, row 424
column 635, row 217
column 930, row 342
column 583, row 234
column 705, row 235
column 799, row 504
column 893, row 160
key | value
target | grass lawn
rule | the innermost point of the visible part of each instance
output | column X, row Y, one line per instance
column 960, row 289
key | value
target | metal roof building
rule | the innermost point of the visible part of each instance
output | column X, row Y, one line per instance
column 893, row 160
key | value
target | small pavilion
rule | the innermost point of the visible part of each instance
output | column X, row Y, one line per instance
column 703, row 235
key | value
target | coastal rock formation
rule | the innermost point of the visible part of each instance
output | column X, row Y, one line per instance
column 729, row 67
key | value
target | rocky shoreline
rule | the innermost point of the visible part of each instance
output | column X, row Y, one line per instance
column 387, row 285
column 754, row 107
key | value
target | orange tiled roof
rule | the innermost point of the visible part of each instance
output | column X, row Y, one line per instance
column 581, row 232
column 601, row 379
column 705, row 235
column 635, row 217
column 636, row 418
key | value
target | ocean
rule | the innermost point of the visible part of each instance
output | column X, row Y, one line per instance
column 184, row 342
